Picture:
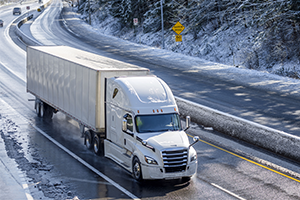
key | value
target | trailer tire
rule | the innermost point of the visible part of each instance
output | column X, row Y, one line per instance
column 38, row 109
column 42, row 109
column 48, row 111
column 98, row 145
column 88, row 139
column 137, row 169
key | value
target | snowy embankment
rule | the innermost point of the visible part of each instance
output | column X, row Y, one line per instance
column 268, row 138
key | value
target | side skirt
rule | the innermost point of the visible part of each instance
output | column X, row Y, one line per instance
column 118, row 155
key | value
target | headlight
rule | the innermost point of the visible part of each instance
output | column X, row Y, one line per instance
column 150, row 160
column 194, row 157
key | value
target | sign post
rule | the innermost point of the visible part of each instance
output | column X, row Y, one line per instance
column 162, row 23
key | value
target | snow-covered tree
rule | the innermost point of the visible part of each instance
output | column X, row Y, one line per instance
column 273, row 26
column 126, row 10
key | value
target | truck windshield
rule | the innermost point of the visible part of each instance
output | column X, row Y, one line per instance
column 157, row 123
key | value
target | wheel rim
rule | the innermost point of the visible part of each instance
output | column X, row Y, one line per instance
column 42, row 110
column 87, row 141
column 137, row 170
column 37, row 109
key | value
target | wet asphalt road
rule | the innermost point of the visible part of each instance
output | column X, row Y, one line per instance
column 221, row 175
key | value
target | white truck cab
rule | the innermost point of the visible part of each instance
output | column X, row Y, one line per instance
column 144, row 132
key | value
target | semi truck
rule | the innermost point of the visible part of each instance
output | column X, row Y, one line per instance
column 124, row 113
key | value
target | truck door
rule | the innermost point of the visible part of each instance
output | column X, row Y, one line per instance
column 117, row 136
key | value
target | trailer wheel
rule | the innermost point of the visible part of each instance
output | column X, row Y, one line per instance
column 38, row 109
column 98, row 146
column 48, row 111
column 137, row 169
column 44, row 111
column 88, row 139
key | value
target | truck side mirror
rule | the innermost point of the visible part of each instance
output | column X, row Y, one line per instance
column 195, row 139
column 187, row 123
column 124, row 125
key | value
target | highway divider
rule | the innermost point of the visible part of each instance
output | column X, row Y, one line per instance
column 32, row 14
column 277, row 141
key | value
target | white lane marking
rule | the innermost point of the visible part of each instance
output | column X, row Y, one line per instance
column 24, row 184
column 12, row 72
column 8, row 38
column 38, row 33
column 85, row 163
column 22, row 179
column 227, row 191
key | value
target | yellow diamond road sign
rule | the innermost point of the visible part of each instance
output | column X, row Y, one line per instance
column 178, row 28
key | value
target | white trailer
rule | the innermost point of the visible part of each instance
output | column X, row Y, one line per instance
column 125, row 113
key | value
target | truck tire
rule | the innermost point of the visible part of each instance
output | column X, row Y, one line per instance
column 45, row 111
column 88, row 139
column 42, row 109
column 98, row 145
column 48, row 111
column 38, row 109
column 137, row 169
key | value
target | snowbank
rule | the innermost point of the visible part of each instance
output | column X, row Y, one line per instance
column 268, row 138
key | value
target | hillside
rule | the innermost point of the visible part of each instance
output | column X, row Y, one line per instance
column 256, row 34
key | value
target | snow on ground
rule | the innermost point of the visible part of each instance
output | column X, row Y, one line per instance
column 148, row 45
column 235, row 45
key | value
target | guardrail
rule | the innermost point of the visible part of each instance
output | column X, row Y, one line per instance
column 27, row 40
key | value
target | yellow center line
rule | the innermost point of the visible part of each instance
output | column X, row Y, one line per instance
column 246, row 159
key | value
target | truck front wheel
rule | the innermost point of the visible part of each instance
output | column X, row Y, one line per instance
column 137, row 169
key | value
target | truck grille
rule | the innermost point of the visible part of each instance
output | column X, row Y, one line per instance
column 175, row 160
